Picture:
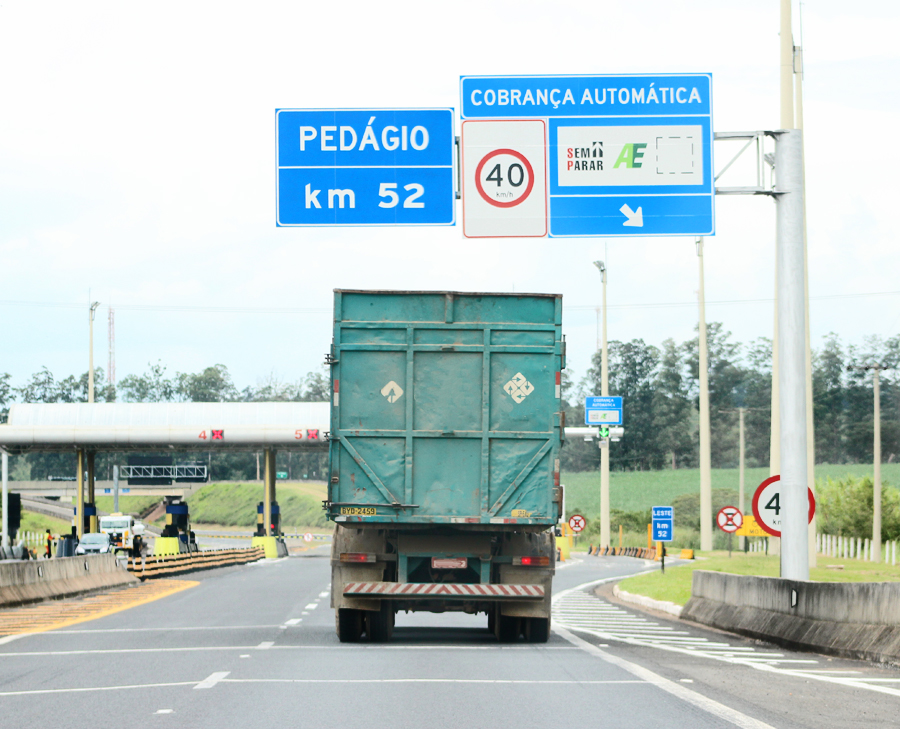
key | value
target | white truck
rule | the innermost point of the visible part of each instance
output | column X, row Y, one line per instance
column 122, row 529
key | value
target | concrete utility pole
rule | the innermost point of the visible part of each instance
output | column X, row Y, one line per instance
column 604, row 392
column 876, row 457
column 4, row 467
column 792, row 355
column 706, row 533
column 91, row 351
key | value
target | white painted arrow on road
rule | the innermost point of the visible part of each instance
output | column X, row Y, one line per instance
column 635, row 219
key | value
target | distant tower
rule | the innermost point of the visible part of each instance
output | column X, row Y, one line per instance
column 111, row 369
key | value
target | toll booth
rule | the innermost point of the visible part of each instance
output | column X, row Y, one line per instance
column 275, row 523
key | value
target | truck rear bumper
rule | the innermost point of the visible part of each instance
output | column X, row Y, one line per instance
column 444, row 590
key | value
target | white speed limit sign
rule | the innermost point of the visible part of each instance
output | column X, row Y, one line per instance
column 504, row 186
column 768, row 506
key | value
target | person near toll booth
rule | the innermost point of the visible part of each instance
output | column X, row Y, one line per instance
column 137, row 546
column 49, row 540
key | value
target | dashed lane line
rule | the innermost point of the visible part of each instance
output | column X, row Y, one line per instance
column 579, row 610
column 54, row 615
column 212, row 680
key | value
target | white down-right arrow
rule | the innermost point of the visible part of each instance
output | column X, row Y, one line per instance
column 635, row 219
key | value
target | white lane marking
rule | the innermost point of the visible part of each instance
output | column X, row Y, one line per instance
column 293, row 621
column 96, row 688
column 718, row 710
column 212, row 680
column 182, row 649
column 324, row 594
column 165, row 711
column 11, row 638
column 244, row 655
column 305, row 612
column 143, row 630
column 761, row 661
column 534, row 681
column 312, row 606
column 265, row 645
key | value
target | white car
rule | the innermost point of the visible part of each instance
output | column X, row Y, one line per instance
column 94, row 543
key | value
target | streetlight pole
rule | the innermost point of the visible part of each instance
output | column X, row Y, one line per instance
column 91, row 351
column 604, row 391
column 706, row 535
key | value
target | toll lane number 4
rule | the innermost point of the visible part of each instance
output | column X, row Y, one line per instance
column 347, row 198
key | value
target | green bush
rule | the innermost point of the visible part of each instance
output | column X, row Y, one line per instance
column 845, row 507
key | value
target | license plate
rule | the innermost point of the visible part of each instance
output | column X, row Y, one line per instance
column 449, row 563
column 358, row 511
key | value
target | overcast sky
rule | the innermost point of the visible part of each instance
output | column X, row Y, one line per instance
column 137, row 161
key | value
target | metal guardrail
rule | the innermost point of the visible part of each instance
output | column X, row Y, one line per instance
column 147, row 568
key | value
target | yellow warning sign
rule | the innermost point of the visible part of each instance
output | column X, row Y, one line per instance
column 750, row 528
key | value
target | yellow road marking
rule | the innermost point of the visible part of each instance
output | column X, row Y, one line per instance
column 50, row 616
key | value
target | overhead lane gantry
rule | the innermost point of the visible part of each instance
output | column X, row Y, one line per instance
column 88, row 429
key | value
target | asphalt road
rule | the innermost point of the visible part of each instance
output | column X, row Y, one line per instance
column 254, row 646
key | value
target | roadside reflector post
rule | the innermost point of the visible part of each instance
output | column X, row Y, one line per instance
column 649, row 536
column 792, row 354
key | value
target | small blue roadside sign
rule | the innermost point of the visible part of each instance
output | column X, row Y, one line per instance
column 663, row 518
column 626, row 155
column 602, row 410
column 371, row 167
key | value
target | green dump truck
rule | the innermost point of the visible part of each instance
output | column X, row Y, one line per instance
column 444, row 458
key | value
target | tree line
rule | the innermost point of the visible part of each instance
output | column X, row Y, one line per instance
column 660, row 387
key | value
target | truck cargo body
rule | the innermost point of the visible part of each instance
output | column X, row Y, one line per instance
column 444, row 457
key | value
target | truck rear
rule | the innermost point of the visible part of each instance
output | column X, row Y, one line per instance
column 444, row 458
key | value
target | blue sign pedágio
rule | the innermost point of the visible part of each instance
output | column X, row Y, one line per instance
column 367, row 167
column 663, row 520
column 602, row 410
column 627, row 155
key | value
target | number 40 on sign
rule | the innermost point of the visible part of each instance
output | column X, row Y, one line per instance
column 767, row 505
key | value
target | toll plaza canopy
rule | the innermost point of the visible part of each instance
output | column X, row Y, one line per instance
column 143, row 426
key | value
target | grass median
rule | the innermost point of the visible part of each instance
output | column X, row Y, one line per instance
column 675, row 584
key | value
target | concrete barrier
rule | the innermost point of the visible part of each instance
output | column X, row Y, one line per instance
column 43, row 579
column 851, row 619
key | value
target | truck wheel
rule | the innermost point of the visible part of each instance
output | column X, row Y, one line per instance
column 537, row 630
column 508, row 628
column 380, row 624
column 349, row 625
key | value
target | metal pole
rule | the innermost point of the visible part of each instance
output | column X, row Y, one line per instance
column 787, row 67
column 810, row 423
column 876, row 495
column 792, row 365
column 706, row 534
column 741, row 412
column 4, row 457
column 91, row 351
column 116, row 489
column 605, row 536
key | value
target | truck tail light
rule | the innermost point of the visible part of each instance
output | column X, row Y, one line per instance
column 357, row 557
column 531, row 561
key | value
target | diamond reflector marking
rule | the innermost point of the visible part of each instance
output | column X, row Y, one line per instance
column 518, row 387
column 392, row 391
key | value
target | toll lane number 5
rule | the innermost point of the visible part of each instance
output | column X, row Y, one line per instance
column 388, row 190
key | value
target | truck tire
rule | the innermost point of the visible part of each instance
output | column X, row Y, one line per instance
column 380, row 624
column 537, row 630
column 508, row 628
column 349, row 625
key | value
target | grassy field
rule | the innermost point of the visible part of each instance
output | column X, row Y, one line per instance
column 127, row 504
column 33, row 522
column 234, row 504
column 641, row 490
column 675, row 584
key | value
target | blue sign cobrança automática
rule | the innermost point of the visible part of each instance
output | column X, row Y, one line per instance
column 372, row 167
column 627, row 155
column 603, row 410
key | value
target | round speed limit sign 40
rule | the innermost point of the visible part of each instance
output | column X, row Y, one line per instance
column 768, row 505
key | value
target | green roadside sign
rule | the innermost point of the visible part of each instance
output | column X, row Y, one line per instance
column 281, row 475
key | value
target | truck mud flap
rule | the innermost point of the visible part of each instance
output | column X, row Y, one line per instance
column 400, row 590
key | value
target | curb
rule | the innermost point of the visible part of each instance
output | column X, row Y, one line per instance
column 663, row 606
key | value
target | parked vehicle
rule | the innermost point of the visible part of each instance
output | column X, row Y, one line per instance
column 444, row 458
column 94, row 543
